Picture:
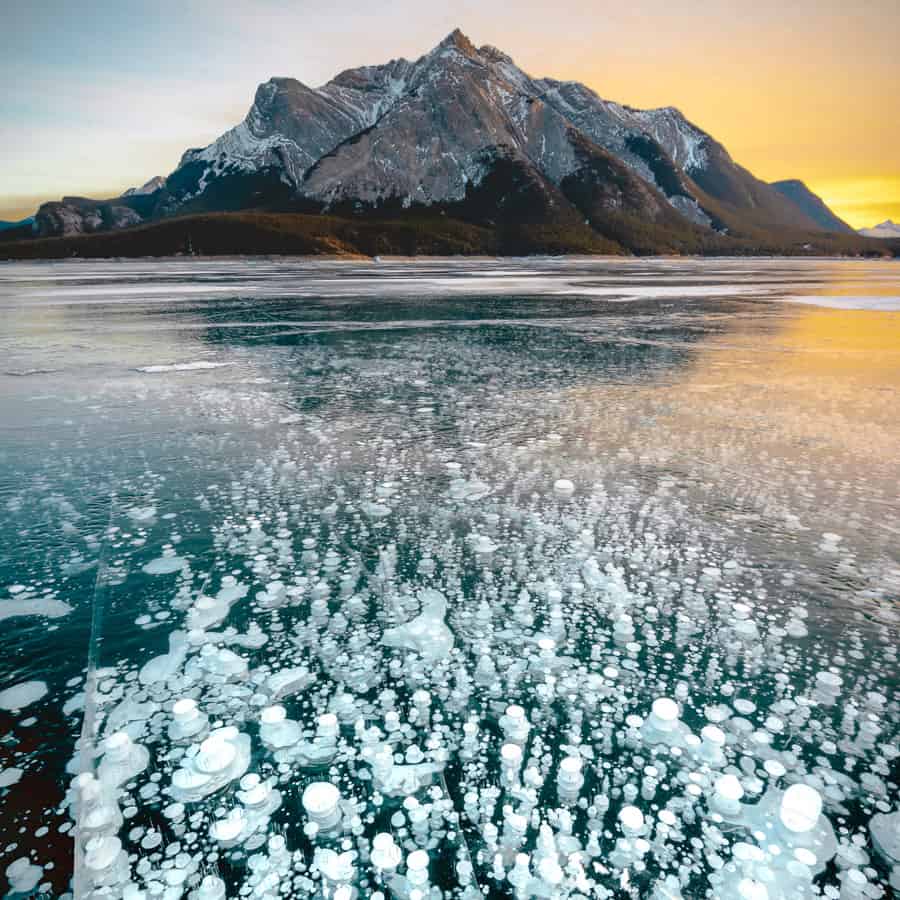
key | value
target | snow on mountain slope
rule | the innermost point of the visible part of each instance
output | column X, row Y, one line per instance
column 429, row 131
column 684, row 142
column 886, row 229
column 419, row 130
column 291, row 126
column 429, row 146
column 150, row 187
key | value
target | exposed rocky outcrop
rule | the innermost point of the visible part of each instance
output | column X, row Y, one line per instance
column 460, row 128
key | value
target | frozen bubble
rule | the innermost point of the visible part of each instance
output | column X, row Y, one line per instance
column 101, row 852
column 48, row 607
column 165, row 564
column 427, row 633
column 511, row 754
column 729, row 787
column 10, row 776
column 829, row 681
column 631, row 819
column 801, row 806
column 385, row 855
column 23, row 876
column 321, row 801
column 748, row 889
column 215, row 755
column 665, row 710
column 23, row 694
column 885, row 831
column 211, row 888
column 142, row 514
column 806, row 856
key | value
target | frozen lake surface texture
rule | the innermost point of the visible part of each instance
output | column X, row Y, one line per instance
column 527, row 579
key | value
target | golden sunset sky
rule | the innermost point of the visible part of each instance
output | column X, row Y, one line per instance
column 100, row 96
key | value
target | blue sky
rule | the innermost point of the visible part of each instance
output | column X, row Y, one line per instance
column 103, row 95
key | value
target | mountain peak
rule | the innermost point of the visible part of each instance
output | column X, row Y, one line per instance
column 811, row 204
column 438, row 130
column 149, row 187
column 456, row 40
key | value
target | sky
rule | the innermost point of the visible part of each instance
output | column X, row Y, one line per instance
column 100, row 96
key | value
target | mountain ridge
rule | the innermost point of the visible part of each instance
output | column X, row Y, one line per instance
column 460, row 130
column 812, row 204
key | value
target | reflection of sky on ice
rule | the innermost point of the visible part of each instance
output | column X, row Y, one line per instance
column 858, row 284
column 616, row 583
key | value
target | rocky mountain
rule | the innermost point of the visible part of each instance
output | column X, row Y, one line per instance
column 883, row 230
column 812, row 205
column 150, row 187
column 81, row 215
column 465, row 132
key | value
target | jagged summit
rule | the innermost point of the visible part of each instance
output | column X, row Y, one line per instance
column 459, row 41
column 464, row 128
column 489, row 51
column 149, row 187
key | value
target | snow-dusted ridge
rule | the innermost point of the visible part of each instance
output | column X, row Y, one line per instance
column 430, row 132
column 304, row 132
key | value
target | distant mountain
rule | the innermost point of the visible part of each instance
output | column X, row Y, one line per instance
column 6, row 226
column 82, row 215
column 465, row 133
column 811, row 205
column 886, row 229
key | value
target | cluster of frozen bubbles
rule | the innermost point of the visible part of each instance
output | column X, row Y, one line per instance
column 538, row 709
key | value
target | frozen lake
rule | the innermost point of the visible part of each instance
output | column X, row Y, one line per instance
column 545, row 578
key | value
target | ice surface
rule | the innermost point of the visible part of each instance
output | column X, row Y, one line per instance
column 557, row 597
column 196, row 366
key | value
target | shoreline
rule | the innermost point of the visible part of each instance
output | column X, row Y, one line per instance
column 262, row 234
column 483, row 257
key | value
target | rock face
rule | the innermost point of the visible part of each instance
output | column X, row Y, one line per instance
column 463, row 129
column 79, row 215
column 428, row 131
column 811, row 205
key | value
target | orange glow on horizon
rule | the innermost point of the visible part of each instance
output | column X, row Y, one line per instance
column 807, row 90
